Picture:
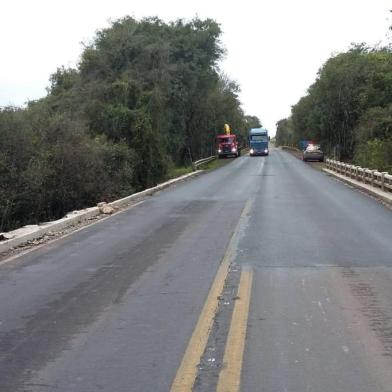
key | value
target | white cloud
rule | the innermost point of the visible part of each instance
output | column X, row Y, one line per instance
column 274, row 47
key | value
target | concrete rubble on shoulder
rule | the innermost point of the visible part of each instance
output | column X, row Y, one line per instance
column 105, row 209
column 30, row 233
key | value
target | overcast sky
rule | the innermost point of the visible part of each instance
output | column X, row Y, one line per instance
column 274, row 47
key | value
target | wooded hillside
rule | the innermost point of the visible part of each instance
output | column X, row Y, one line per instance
column 348, row 110
column 146, row 96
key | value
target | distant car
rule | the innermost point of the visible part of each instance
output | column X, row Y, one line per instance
column 313, row 152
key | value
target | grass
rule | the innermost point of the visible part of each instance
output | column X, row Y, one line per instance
column 177, row 172
column 180, row 171
column 215, row 164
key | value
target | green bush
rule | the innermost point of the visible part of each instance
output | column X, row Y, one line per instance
column 145, row 95
column 375, row 154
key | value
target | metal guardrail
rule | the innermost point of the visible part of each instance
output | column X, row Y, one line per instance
column 203, row 161
column 382, row 180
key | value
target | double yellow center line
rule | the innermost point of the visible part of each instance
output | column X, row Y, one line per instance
column 230, row 375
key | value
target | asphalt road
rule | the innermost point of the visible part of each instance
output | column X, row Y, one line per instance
column 304, row 304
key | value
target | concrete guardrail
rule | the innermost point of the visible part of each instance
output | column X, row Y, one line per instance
column 29, row 233
column 378, row 184
column 374, row 178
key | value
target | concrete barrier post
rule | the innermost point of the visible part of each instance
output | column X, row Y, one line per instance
column 372, row 178
column 383, row 180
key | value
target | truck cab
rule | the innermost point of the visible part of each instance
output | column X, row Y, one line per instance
column 258, row 141
column 226, row 145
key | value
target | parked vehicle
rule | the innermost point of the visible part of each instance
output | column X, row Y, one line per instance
column 303, row 144
column 258, row 141
column 313, row 152
column 227, row 145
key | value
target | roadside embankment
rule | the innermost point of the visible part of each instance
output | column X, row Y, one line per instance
column 31, row 235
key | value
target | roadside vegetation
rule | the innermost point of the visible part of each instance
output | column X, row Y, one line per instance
column 146, row 98
column 348, row 110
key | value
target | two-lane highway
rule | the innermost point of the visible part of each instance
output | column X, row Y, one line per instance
column 264, row 275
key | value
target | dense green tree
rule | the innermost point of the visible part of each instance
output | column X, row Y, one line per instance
column 284, row 133
column 347, row 109
column 146, row 95
column 374, row 139
column 253, row 122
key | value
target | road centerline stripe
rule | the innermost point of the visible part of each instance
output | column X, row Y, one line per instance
column 230, row 375
column 187, row 372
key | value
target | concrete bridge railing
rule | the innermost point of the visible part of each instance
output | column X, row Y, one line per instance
column 374, row 178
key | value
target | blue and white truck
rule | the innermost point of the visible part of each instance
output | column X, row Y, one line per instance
column 258, row 141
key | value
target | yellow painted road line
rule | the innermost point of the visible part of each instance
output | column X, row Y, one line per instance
column 187, row 372
column 230, row 375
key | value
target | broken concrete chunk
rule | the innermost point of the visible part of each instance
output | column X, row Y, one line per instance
column 107, row 210
column 3, row 237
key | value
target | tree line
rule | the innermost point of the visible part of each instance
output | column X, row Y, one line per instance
column 348, row 109
column 146, row 96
